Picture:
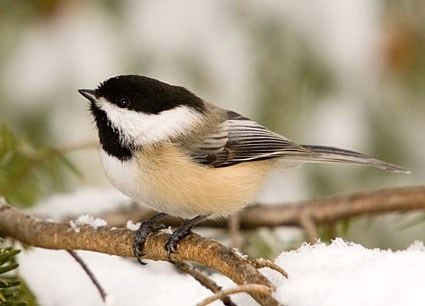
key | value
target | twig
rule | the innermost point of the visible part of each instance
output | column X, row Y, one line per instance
column 204, row 280
column 207, row 252
column 90, row 274
column 309, row 226
column 233, row 224
column 265, row 263
column 247, row 288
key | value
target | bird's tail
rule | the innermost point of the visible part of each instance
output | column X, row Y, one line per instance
column 323, row 154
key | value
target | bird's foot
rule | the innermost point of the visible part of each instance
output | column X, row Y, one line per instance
column 181, row 232
column 146, row 228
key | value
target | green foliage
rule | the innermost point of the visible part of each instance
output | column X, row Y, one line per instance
column 11, row 293
column 27, row 172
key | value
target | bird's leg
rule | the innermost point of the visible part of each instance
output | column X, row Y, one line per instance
column 146, row 227
column 181, row 232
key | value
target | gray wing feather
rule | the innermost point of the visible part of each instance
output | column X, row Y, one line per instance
column 239, row 139
column 324, row 154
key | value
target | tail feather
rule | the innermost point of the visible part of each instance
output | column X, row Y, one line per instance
column 325, row 154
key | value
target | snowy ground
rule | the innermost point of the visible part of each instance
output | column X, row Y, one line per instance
column 329, row 275
column 126, row 282
column 349, row 274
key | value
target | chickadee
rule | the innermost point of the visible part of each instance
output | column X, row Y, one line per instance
column 166, row 148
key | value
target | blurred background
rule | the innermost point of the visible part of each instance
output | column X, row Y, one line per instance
column 347, row 73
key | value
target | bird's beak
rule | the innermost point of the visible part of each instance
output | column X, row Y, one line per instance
column 90, row 94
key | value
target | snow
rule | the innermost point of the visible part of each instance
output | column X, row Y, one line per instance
column 132, row 226
column 135, row 226
column 87, row 220
column 349, row 274
column 91, row 221
column 74, row 226
column 341, row 273
column 125, row 281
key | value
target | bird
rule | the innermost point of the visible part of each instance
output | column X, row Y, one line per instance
column 170, row 150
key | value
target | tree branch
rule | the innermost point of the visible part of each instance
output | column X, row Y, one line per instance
column 265, row 263
column 40, row 233
column 89, row 273
column 321, row 211
column 309, row 226
column 204, row 280
column 248, row 288
column 233, row 226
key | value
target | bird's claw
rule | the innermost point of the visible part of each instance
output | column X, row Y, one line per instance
column 136, row 251
column 181, row 232
column 178, row 234
column 146, row 228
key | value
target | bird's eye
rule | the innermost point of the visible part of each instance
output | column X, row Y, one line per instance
column 123, row 102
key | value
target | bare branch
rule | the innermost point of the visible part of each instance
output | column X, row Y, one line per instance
column 309, row 226
column 248, row 288
column 234, row 233
column 322, row 211
column 90, row 274
column 265, row 263
column 40, row 233
column 204, row 280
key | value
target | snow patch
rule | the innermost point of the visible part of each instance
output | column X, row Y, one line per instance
column 125, row 281
column 349, row 274
column 91, row 221
column 74, row 226
column 87, row 220
column 132, row 226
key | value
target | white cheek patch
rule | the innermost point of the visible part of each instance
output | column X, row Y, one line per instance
column 141, row 129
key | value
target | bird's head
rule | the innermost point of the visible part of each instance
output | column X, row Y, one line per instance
column 143, row 110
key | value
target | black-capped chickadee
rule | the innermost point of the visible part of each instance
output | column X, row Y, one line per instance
column 168, row 149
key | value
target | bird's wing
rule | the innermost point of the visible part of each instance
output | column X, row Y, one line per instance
column 239, row 139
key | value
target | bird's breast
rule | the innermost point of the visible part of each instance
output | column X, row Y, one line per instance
column 124, row 175
column 166, row 179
